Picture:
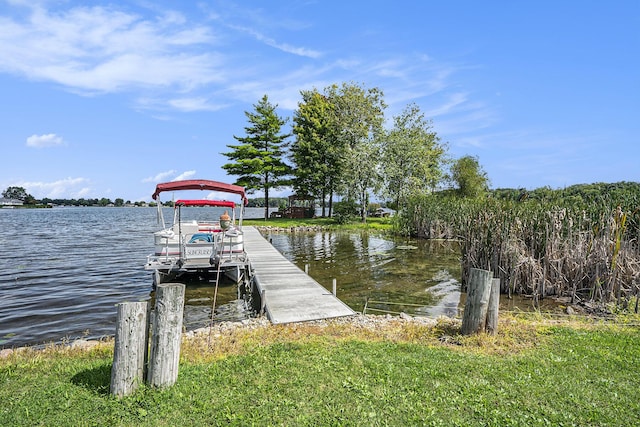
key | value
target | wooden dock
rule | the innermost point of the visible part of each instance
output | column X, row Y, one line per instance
column 290, row 294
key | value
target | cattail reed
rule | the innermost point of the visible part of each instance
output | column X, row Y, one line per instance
column 586, row 251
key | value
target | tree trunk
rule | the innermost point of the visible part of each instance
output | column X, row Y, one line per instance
column 364, row 205
column 330, row 203
column 266, row 201
column 324, row 197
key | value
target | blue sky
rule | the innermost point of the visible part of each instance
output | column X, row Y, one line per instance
column 105, row 99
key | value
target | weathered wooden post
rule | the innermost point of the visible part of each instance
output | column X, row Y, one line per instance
column 492, row 310
column 131, row 345
column 475, row 308
column 335, row 287
column 166, row 335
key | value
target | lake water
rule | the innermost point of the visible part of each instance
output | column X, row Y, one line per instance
column 63, row 270
column 386, row 273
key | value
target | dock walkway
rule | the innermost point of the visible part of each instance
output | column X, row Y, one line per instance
column 290, row 294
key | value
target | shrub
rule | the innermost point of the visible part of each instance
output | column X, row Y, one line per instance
column 345, row 211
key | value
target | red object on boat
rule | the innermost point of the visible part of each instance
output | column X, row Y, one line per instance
column 215, row 203
column 199, row 184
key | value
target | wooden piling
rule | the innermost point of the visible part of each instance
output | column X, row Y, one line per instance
column 478, row 294
column 130, row 350
column 166, row 335
column 492, row 309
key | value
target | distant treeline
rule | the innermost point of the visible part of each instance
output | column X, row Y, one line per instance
column 252, row 203
column 619, row 192
column 274, row 202
column 89, row 202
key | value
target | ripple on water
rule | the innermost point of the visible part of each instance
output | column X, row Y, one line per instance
column 65, row 269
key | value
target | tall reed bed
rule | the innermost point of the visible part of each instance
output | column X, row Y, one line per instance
column 586, row 251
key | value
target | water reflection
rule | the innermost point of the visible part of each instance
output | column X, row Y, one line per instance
column 422, row 274
column 199, row 301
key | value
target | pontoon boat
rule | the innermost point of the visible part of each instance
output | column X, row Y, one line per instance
column 208, row 249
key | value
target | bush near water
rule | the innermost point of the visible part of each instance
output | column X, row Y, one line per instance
column 581, row 242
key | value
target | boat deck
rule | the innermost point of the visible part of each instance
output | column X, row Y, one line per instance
column 290, row 295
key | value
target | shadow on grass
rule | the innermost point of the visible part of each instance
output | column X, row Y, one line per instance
column 96, row 379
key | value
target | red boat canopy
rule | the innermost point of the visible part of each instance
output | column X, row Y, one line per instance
column 199, row 184
column 215, row 203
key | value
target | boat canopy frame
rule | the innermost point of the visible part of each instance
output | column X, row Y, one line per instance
column 202, row 202
column 200, row 184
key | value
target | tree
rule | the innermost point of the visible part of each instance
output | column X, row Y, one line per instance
column 18, row 193
column 30, row 200
column 358, row 115
column 469, row 177
column 412, row 157
column 119, row 202
column 258, row 159
column 315, row 152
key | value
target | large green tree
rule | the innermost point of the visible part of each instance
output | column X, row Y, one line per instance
column 469, row 177
column 358, row 116
column 315, row 151
column 412, row 157
column 258, row 160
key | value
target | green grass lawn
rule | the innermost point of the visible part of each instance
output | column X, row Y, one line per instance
column 531, row 374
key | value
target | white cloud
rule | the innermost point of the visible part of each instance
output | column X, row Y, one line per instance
column 194, row 104
column 160, row 176
column 63, row 188
column 80, row 193
column 285, row 47
column 184, row 175
column 47, row 140
column 99, row 49
column 453, row 101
